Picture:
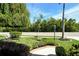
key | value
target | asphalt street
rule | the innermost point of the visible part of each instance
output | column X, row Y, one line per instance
column 73, row 35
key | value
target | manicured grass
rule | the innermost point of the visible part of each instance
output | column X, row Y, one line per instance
column 66, row 44
column 2, row 37
column 35, row 43
column 31, row 42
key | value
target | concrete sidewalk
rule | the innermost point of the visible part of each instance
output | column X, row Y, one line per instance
column 44, row 51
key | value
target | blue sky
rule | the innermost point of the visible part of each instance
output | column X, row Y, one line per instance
column 53, row 10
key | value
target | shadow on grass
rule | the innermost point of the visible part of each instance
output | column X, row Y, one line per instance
column 65, row 39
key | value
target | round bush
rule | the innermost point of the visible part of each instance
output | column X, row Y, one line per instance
column 74, row 50
column 60, row 51
column 15, row 34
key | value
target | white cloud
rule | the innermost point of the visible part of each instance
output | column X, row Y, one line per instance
column 70, row 13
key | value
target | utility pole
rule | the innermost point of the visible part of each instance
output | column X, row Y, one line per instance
column 63, row 25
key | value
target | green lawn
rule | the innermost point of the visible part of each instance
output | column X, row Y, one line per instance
column 2, row 37
column 66, row 44
column 27, row 41
column 34, row 43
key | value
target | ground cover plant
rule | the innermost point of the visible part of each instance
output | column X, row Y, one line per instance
column 66, row 46
column 34, row 43
column 15, row 34
column 63, row 47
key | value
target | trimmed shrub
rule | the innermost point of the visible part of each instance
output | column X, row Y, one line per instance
column 60, row 51
column 15, row 34
column 74, row 50
column 13, row 49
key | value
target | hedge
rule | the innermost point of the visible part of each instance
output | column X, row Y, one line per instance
column 72, row 51
column 13, row 49
column 60, row 51
column 15, row 34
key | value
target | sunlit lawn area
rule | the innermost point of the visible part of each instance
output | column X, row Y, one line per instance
column 34, row 42
column 2, row 37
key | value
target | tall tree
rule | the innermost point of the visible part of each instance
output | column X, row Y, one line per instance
column 16, row 13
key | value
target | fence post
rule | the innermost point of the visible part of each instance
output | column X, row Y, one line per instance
column 54, row 32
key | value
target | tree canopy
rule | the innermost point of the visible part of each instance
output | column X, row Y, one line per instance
column 14, row 15
column 47, row 25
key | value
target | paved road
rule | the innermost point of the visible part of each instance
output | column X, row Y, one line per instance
column 50, row 33
column 44, row 51
column 73, row 35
